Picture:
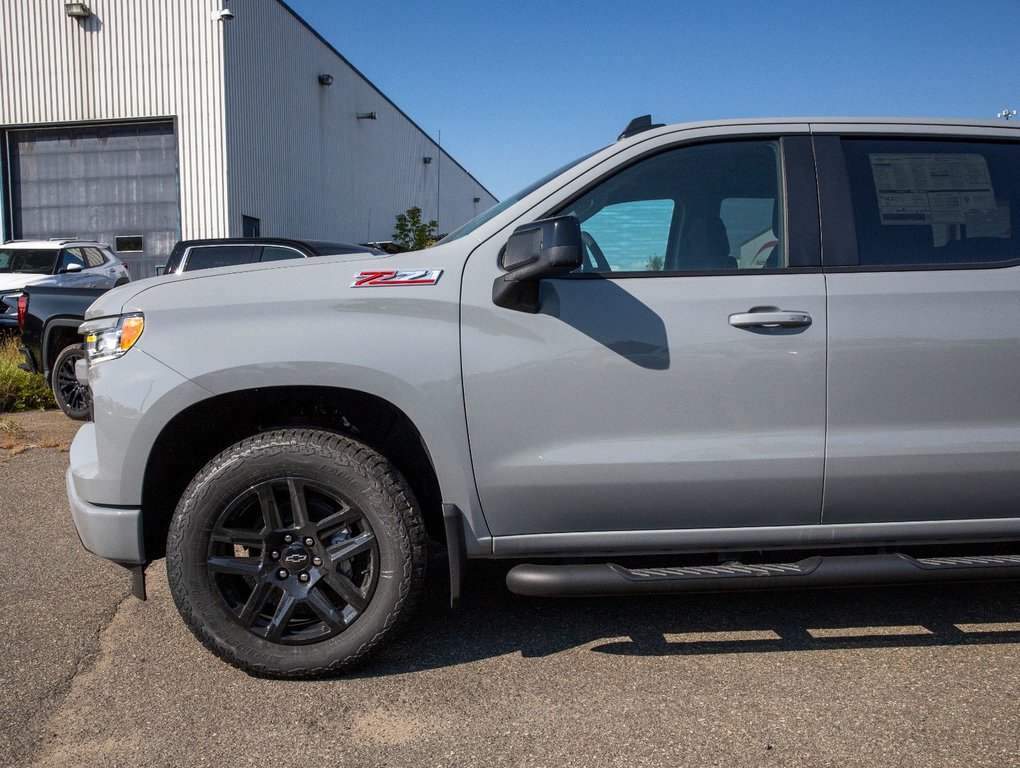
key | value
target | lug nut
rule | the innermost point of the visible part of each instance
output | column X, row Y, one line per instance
column 303, row 578
column 274, row 555
column 309, row 541
column 282, row 573
column 288, row 539
column 316, row 561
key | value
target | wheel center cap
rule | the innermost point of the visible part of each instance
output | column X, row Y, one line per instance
column 296, row 558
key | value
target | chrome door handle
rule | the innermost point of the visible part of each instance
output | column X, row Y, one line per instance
column 772, row 318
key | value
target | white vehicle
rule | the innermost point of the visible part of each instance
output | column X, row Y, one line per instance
column 60, row 262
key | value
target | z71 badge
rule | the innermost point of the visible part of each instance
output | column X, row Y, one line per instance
column 381, row 278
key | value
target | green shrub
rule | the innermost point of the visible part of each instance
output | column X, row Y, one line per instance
column 20, row 391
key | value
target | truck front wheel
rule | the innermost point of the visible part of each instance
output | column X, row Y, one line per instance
column 295, row 553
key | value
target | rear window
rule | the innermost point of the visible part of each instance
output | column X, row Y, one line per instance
column 922, row 202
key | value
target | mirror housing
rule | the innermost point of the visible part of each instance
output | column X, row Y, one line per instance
column 71, row 268
column 535, row 252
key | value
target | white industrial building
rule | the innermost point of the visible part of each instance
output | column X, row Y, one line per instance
column 141, row 122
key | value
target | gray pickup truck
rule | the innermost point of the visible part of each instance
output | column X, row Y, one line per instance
column 710, row 356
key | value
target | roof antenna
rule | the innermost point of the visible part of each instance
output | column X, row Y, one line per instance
column 638, row 125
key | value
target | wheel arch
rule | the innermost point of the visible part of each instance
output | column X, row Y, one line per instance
column 60, row 332
column 187, row 443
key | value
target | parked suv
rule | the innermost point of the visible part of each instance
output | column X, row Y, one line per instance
column 710, row 356
column 58, row 262
column 189, row 255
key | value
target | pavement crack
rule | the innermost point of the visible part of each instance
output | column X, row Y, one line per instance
column 45, row 740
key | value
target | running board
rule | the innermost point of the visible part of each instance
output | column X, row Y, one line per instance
column 843, row 570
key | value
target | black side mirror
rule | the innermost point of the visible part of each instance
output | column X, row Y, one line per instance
column 537, row 251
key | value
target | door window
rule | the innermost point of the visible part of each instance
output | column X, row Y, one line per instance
column 94, row 257
column 706, row 208
column 70, row 256
column 279, row 253
column 922, row 202
column 208, row 256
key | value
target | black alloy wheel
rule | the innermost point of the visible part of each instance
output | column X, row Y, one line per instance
column 292, row 561
column 73, row 398
column 295, row 553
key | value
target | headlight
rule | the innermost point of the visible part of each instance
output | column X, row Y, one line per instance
column 110, row 337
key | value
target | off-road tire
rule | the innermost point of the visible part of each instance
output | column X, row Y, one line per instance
column 347, row 468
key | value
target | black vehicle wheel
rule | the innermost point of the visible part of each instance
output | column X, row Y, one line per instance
column 74, row 399
column 294, row 553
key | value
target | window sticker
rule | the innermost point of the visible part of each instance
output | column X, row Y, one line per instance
column 933, row 189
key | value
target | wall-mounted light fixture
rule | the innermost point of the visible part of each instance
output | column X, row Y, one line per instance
column 224, row 14
column 367, row 116
column 478, row 199
column 325, row 79
column 426, row 160
column 77, row 10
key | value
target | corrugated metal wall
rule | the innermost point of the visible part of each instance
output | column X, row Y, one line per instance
column 98, row 182
column 131, row 59
column 301, row 161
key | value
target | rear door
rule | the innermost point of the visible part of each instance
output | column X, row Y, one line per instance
column 645, row 395
column 922, row 261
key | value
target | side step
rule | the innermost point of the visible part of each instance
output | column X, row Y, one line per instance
column 840, row 570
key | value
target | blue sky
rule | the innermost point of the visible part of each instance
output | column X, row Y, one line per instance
column 519, row 88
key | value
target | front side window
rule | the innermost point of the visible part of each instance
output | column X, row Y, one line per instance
column 705, row 208
column 71, row 256
column 920, row 202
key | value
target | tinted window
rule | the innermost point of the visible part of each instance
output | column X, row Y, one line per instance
column 129, row 243
column 713, row 207
column 71, row 256
column 209, row 256
column 279, row 253
column 934, row 202
column 94, row 257
column 30, row 262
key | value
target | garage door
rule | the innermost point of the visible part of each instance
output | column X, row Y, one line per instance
column 114, row 183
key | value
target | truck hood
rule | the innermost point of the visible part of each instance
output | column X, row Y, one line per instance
column 124, row 298
column 15, row 281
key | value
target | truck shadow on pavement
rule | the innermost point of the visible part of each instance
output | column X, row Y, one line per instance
column 492, row 622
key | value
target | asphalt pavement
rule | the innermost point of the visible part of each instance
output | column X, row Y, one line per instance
column 89, row 676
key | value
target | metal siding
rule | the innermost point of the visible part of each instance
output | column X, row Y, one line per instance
column 300, row 160
column 133, row 59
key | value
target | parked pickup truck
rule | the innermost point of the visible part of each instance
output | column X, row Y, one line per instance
column 709, row 356
column 48, row 318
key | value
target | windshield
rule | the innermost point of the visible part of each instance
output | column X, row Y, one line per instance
column 498, row 208
column 29, row 262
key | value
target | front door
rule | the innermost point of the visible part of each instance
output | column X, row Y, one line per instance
column 652, row 391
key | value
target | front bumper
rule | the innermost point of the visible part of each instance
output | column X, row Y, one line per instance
column 111, row 532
